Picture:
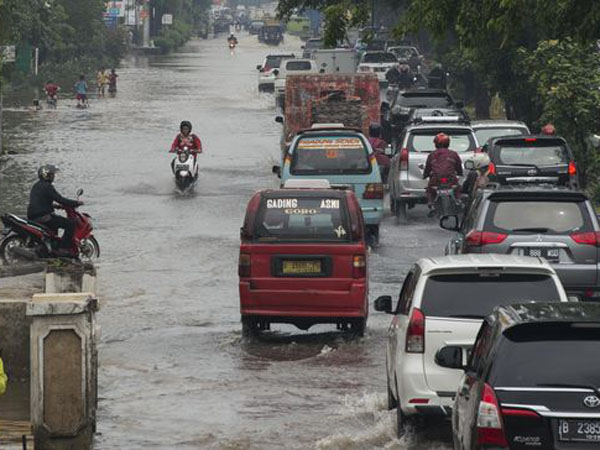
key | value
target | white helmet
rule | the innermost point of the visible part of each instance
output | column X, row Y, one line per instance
column 479, row 160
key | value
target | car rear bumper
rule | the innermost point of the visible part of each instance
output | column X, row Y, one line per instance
column 303, row 303
column 372, row 214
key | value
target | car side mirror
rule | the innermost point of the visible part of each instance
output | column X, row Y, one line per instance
column 450, row 357
column 302, row 47
column 277, row 171
column 79, row 192
column 279, row 119
column 276, row 72
column 259, row 67
column 460, row 105
column 449, row 223
column 469, row 164
column 384, row 304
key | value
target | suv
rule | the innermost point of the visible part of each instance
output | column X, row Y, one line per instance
column 266, row 77
column 532, row 159
column 396, row 108
column 311, row 46
column 559, row 225
column 444, row 301
column 378, row 63
column 407, row 186
column 531, row 380
column 303, row 259
column 291, row 67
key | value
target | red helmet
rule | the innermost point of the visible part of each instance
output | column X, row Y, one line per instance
column 442, row 140
column 549, row 129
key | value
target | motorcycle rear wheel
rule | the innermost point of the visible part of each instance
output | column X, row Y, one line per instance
column 7, row 245
column 89, row 249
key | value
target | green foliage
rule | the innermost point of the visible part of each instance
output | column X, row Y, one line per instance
column 174, row 36
column 564, row 75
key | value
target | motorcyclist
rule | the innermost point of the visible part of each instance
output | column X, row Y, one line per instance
column 443, row 163
column 41, row 208
column 186, row 139
column 232, row 39
column 548, row 130
column 379, row 146
column 478, row 176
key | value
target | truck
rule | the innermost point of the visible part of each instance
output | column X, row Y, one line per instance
column 349, row 99
column 336, row 60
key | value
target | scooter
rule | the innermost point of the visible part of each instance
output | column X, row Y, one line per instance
column 185, row 170
column 26, row 239
column 446, row 201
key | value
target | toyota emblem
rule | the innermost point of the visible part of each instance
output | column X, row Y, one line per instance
column 532, row 172
column 591, row 401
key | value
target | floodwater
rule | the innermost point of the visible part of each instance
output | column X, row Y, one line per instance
column 175, row 371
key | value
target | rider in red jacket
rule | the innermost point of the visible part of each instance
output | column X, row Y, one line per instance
column 442, row 164
column 186, row 139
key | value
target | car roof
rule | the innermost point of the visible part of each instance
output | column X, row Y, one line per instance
column 498, row 124
column 329, row 131
column 528, row 313
column 470, row 263
column 460, row 125
column 539, row 193
column 537, row 137
column 426, row 91
column 304, row 192
column 281, row 55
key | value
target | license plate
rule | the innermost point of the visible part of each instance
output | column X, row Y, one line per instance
column 178, row 168
column 579, row 430
column 301, row 267
column 551, row 254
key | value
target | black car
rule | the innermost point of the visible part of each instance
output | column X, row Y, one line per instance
column 531, row 381
column 423, row 114
column 532, row 159
column 398, row 105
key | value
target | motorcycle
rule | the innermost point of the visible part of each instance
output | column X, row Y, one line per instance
column 24, row 238
column 232, row 44
column 446, row 201
column 185, row 169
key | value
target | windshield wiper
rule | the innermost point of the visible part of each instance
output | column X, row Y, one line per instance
column 532, row 230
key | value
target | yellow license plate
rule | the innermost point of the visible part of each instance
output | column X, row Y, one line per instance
column 301, row 267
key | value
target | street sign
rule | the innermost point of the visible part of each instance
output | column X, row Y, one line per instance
column 167, row 19
column 115, row 9
column 8, row 53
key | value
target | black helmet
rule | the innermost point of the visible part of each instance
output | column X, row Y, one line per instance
column 375, row 130
column 185, row 123
column 47, row 172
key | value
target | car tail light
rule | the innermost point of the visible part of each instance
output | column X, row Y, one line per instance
column 589, row 238
column 359, row 266
column 373, row 191
column 530, row 139
column 419, row 401
column 489, row 420
column 572, row 168
column 479, row 238
column 444, row 180
column 404, row 159
column 415, row 334
column 492, row 169
column 519, row 413
column 244, row 265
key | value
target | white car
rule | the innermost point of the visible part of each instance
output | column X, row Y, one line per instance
column 266, row 75
column 294, row 67
column 378, row 63
column 442, row 303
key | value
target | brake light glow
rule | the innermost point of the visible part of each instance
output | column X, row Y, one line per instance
column 359, row 266
column 244, row 265
column 530, row 139
column 373, row 191
column 492, row 169
column 589, row 238
column 444, row 180
column 489, row 421
column 479, row 238
column 419, row 401
column 415, row 334
column 572, row 168
column 519, row 413
column 404, row 159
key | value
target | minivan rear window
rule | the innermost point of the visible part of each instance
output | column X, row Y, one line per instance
column 421, row 100
column 485, row 133
column 538, row 217
column 476, row 295
column 298, row 65
column 537, row 156
column 302, row 218
column 330, row 155
column 374, row 58
column 548, row 355
column 423, row 142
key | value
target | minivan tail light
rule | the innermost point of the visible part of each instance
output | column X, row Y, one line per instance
column 373, row 191
column 572, row 168
column 415, row 334
column 492, row 169
column 244, row 265
column 489, row 420
column 519, row 413
column 359, row 266
column 589, row 238
column 404, row 159
column 479, row 238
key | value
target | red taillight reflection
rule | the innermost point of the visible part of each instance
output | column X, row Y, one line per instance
column 404, row 159
column 415, row 334
column 490, row 431
column 373, row 191
column 589, row 238
column 530, row 139
column 359, row 266
column 520, row 413
column 572, row 168
column 478, row 238
column 492, row 169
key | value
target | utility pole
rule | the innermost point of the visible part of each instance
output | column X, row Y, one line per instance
column 373, row 13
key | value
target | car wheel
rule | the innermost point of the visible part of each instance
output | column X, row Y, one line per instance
column 401, row 213
column 249, row 327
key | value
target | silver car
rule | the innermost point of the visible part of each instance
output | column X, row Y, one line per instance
column 486, row 129
column 556, row 224
column 407, row 186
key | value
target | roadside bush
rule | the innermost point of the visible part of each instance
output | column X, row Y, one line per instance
column 173, row 37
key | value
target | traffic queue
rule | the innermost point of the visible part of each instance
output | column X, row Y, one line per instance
column 499, row 332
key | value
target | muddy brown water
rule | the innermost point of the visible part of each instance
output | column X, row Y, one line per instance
column 175, row 371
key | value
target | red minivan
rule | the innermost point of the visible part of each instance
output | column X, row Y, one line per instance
column 303, row 260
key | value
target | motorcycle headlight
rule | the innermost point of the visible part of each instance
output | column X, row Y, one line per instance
column 183, row 157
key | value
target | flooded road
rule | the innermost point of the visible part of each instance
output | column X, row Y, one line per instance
column 175, row 371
